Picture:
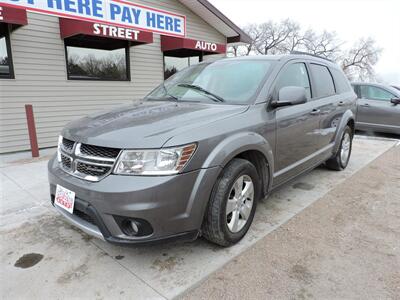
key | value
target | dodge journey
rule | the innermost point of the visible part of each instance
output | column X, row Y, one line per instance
column 195, row 156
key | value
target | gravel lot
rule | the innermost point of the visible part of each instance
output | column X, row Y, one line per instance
column 43, row 257
column 344, row 246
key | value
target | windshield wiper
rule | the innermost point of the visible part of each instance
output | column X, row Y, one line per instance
column 200, row 89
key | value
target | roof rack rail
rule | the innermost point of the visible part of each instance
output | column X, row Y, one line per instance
column 310, row 54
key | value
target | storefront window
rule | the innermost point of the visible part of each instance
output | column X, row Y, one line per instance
column 6, row 68
column 97, row 64
column 176, row 64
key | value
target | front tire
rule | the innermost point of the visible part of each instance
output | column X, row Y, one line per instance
column 340, row 161
column 232, row 205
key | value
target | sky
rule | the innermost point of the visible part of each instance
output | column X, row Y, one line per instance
column 350, row 19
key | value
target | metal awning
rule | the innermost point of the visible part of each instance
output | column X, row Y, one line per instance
column 183, row 47
column 14, row 16
column 101, row 35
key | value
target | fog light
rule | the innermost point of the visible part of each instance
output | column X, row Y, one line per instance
column 135, row 227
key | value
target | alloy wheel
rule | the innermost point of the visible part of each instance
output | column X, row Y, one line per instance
column 240, row 203
column 345, row 150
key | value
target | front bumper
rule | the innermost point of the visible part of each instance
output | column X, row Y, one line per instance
column 172, row 205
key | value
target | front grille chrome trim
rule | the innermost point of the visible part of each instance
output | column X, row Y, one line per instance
column 77, row 157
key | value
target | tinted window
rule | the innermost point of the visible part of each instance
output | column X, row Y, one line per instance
column 176, row 64
column 295, row 75
column 5, row 55
column 234, row 80
column 341, row 82
column 85, row 63
column 323, row 81
column 375, row 93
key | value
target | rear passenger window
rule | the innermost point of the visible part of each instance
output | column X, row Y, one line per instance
column 323, row 81
column 375, row 93
column 295, row 75
column 341, row 82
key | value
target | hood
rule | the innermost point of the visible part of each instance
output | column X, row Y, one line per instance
column 148, row 124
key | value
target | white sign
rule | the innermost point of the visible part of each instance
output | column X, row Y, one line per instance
column 205, row 46
column 115, row 32
column 112, row 12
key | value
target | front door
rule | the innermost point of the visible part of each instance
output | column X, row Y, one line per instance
column 297, row 126
column 375, row 110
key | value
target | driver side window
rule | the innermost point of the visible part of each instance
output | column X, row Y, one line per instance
column 375, row 93
column 295, row 75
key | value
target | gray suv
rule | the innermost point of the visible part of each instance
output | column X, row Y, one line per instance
column 195, row 156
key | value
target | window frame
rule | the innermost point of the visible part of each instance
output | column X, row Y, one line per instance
column 376, row 87
column 314, row 81
column 127, row 62
column 283, row 69
column 336, row 81
column 11, row 74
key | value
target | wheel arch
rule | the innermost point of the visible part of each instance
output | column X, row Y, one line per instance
column 250, row 146
column 348, row 119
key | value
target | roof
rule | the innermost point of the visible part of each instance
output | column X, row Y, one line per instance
column 287, row 57
column 218, row 20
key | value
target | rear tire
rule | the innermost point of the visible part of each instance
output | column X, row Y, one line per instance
column 340, row 161
column 232, row 205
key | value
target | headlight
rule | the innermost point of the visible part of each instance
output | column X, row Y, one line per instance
column 166, row 161
column 60, row 140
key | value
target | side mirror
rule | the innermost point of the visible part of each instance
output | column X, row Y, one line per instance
column 290, row 95
column 395, row 101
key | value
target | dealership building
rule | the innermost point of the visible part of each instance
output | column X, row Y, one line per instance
column 70, row 58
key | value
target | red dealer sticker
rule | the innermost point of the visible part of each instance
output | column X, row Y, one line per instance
column 65, row 199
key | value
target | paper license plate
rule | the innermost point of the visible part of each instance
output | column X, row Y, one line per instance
column 65, row 199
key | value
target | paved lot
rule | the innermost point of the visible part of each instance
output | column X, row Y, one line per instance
column 42, row 256
column 344, row 246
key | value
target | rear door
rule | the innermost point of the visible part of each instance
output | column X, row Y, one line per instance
column 296, row 125
column 328, row 104
column 376, row 111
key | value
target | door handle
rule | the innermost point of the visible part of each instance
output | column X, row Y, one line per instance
column 365, row 105
column 315, row 112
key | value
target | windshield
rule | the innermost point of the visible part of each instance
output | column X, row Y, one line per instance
column 227, row 81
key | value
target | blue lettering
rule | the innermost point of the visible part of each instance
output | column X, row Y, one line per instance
column 126, row 15
column 115, row 10
column 69, row 5
column 160, row 21
column 97, row 8
column 169, row 23
column 50, row 4
column 177, row 25
column 84, row 7
column 136, row 14
column 151, row 19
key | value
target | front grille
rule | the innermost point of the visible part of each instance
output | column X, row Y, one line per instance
column 68, row 145
column 88, row 162
column 66, row 162
column 92, row 170
column 84, row 216
column 104, row 152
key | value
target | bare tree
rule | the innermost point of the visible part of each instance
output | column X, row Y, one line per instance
column 358, row 62
column 255, row 32
column 325, row 44
column 287, row 36
column 274, row 36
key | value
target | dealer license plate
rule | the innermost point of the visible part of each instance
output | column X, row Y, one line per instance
column 65, row 199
